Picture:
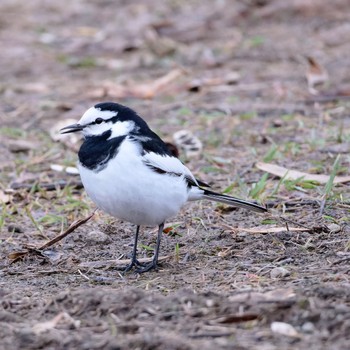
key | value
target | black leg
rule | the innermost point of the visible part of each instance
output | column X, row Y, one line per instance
column 153, row 264
column 134, row 261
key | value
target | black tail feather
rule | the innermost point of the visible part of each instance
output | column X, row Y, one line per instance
column 235, row 202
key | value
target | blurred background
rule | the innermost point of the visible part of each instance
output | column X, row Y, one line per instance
column 231, row 72
column 231, row 56
column 259, row 79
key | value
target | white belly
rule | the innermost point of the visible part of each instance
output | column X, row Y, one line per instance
column 134, row 192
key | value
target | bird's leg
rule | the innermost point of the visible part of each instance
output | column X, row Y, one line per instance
column 134, row 261
column 153, row 264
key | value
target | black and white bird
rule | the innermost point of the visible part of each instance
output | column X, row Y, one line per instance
column 128, row 172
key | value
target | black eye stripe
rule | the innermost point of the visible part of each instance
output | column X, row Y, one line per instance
column 101, row 120
column 97, row 121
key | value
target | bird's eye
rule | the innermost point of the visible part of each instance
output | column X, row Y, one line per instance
column 98, row 120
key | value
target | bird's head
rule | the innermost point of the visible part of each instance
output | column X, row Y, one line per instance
column 107, row 116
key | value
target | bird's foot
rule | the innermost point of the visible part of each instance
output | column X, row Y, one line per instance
column 147, row 267
column 134, row 262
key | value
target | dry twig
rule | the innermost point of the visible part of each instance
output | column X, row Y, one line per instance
column 15, row 256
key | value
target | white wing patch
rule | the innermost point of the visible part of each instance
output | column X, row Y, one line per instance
column 168, row 164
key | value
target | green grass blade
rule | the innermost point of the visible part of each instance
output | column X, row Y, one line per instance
column 330, row 183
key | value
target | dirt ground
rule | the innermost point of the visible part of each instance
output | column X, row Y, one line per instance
column 239, row 75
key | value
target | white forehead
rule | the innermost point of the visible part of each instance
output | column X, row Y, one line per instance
column 92, row 113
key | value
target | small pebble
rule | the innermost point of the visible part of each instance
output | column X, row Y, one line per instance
column 308, row 327
column 334, row 228
column 72, row 170
column 69, row 169
column 56, row 167
column 15, row 228
column 284, row 329
column 210, row 302
column 279, row 272
column 277, row 123
column 97, row 237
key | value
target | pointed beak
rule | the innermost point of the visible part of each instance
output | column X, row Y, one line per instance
column 71, row 128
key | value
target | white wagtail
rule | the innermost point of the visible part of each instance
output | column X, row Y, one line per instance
column 129, row 172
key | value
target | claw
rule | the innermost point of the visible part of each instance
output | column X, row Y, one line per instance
column 134, row 262
column 129, row 267
column 151, row 266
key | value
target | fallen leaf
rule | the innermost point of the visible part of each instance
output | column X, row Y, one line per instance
column 168, row 229
column 229, row 79
column 280, row 294
column 62, row 317
column 17, row 255
column 270, row 229
column 4, row 198
column 266, row 229
column 34, row 87
column 160, row 45
column 276, row 295
column 315, row 75
column 294, row 174
column 20, row 145
column 134, row 89
column 70, row 139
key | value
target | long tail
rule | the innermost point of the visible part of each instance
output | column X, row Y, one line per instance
column 235, row 202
